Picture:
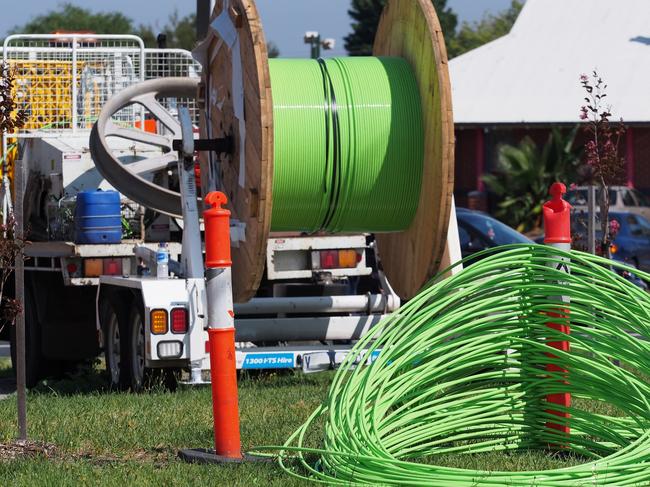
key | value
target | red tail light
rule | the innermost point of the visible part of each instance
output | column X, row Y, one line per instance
column 329, row 259
column 179, row 320
column 112, row 267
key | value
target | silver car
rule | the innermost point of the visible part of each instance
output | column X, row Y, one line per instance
column 621, row 198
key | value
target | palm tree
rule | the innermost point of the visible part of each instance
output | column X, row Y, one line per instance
column 524, row 173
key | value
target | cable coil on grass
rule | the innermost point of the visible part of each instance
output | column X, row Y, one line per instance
column 462, row 370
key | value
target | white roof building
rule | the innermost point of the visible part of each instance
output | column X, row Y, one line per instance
column 531, row 76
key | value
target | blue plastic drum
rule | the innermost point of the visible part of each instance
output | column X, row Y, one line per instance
column 98, row 217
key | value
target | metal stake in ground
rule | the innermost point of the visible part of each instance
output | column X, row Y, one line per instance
column 21, row 364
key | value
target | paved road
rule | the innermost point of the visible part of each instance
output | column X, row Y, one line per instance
column 4, row 349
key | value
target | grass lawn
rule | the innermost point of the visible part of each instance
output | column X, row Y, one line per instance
column 118, row 439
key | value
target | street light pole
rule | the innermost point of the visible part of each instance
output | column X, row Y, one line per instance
column 313, row 39
column 315, row 49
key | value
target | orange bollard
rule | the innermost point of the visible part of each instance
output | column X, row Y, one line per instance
column 557, row 229
column 225, row 405
column 221, row 331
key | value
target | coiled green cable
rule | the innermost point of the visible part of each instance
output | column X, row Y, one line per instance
column 348, row 140
column 462, row 370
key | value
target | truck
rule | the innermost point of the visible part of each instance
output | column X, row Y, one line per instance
column 87, row 300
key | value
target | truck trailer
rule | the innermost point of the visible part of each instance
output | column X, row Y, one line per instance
column 319, row 292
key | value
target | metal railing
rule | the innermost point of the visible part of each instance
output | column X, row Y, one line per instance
column 172, row 63
column 64, row 80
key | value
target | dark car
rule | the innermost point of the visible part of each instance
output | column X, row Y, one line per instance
column 631, row 244
column 479, row 231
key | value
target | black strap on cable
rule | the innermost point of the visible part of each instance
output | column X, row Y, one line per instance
column 331, row 111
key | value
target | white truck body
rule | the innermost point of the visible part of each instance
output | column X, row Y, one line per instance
column 279, row 331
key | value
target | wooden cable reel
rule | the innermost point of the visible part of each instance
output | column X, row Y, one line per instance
column 239, row 104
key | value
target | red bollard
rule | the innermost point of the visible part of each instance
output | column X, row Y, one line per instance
column 221, row 328
column 557, row 228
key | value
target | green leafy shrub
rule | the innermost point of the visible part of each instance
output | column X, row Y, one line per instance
column 524, row 173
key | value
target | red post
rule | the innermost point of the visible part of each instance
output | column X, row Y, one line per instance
column 557, row 228
column 221, row 328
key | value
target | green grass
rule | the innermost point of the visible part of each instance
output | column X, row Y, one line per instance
column 108, row 438
column 5, row 368
column 118, row 439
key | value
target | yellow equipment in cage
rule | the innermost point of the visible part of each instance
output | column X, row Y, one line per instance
column 44, row 91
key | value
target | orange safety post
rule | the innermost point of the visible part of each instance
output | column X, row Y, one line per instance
column 557, row 229
column 221, row 328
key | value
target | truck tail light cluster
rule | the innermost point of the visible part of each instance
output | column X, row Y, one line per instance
column 73, row 269
column 335, row 259
column 158, row 321
column 95, row 267
column 179, row 320
column 161, row 322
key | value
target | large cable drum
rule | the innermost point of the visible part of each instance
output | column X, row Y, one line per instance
column 339, row 145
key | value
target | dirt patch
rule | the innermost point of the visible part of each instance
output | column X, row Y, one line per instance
column 19, row 450
column 26, row 449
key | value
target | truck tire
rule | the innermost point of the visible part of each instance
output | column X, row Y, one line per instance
column 135, row 351
column 33, row 355
column 114, row 330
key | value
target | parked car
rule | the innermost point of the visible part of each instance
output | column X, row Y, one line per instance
column 631, row 244
column 479, row 231
column 621, row 199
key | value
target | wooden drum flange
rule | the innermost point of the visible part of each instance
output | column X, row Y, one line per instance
column 408, row 29
column 247, row 182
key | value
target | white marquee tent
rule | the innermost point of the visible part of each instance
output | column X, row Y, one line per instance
column 531, row 75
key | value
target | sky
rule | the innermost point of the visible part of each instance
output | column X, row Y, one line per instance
column 285, row 21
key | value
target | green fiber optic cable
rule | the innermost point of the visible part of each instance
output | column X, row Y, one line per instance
column 348, row 144
column 462, row 370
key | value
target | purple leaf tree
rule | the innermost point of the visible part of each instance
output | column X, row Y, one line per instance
column 603, row 163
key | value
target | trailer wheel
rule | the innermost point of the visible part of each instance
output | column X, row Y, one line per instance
column 114, row 343
column 33, row 355
column 135, row 352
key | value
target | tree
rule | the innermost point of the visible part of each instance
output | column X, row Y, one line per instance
column 11, row 245
column 179, row 32
column 72, row 18
column 524, row 173
column 273, row 49
column 365, row 15
column 603, row 162
column 489, row 28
